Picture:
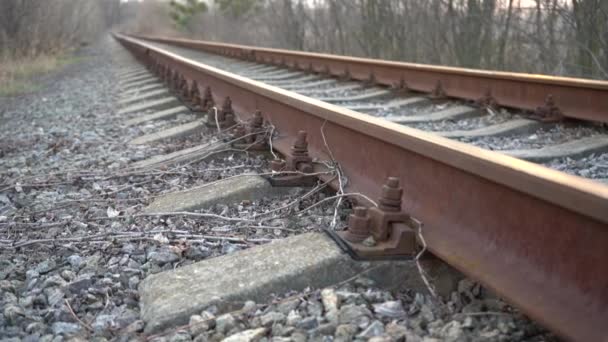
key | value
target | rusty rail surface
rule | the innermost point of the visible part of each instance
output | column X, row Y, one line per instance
column 572, row 97
column 536, row 236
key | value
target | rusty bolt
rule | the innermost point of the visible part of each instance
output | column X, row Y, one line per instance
column 208, row 101
column 195, row 94
column 358, row 225
column 185, row 90
column 227, row 106
column 300, row 146
column 391, row 195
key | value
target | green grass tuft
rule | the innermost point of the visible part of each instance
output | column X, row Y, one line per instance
column 16, row 73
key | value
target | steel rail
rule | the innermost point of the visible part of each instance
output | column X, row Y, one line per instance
column 576, row 98
column 536, row 236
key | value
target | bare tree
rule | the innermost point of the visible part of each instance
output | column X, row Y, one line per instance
column 561, row 37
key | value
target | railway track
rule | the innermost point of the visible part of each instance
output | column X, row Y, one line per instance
column 536, row 236
column 534, row 135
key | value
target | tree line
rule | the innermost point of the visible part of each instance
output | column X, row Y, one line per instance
column 557, row 37
column 32, row 27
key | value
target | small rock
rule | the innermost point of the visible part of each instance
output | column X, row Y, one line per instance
column 103, row 322
column 54, row 296
column 225, row 323
column 31, row 274
column 135, row 327
column 346, row 331
column 376, row 328
column 65, row 328
column 353, row 314
column 330, row 300
column 287, row 306
column 396, row 331
column 293, row 318
column 249, row 306
column 124, row 316
column 451, row 331
column 314, row 308
column 198, row 325
column 30, row 338
column 181, row 336
column 133, row 282
column 163, row 257
column 392, row 309
column 13, row 312
column 308, row 323
column 46, row 266
column 272, row 318
column 198, row 252
column 228, row 248
column 54, row 280
column 81, row 283
column 35, row 327
column 128, row 248
column 251, row 335
column 68, row 275
column 75, row 261
column 298, row 337
column 91, row 264
column 327, row 329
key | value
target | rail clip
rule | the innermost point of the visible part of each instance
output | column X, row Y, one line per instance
column 385, row 231
column 296, row 167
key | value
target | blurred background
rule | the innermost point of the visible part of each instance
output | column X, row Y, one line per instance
column 556, row 37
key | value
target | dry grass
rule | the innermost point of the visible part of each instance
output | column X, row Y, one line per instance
column 17, row 75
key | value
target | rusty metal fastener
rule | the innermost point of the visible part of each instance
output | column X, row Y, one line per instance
column 225, row 116
column 195, row 96
column 358, row 225
column 401, row 87
column 298, row 160
column 550, row 112
column 208, row 101
column 253, row 135
column 487, row 100
column 184, row 89
column 392, row 228
column 438, row 92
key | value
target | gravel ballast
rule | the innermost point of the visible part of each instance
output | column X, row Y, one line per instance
column 72, row 246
